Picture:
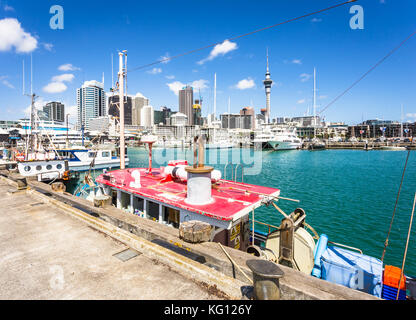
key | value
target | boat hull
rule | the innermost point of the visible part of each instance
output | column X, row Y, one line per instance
column 284, row 145
column 99, row 165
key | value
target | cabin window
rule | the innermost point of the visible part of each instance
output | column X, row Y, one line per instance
column 91, row 154
column 153, row 210
column 171, row 216
column 28, row 168
column 138, row 204
column 59, row 166
column 125, row 200
column 38, row 168
column 114, row 197
column 48, row 167
column 106, row 154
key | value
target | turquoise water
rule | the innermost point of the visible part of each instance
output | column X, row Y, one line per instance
column 347, row 194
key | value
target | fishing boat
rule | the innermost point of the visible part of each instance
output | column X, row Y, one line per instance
column 81, row 158
column 181, row 192
column 42, row 165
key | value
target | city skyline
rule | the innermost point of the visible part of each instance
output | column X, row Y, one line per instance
column 60, row 66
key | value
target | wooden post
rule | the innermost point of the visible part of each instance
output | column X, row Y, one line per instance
column 405, row 250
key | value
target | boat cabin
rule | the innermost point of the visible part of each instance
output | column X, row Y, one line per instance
column 179, row 193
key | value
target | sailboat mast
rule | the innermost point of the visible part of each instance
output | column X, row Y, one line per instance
column 401, row 124
column 314, row 101
column 121, row 102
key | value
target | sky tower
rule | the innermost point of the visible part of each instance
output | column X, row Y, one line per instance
column 268, row 85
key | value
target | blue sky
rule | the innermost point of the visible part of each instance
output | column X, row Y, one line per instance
column 93, row 30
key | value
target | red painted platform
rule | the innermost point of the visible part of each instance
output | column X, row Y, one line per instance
column 230, row 198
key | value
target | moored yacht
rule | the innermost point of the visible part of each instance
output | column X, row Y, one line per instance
column 285, row 138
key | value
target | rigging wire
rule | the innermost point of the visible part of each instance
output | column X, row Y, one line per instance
column 386, row 243
column 365, row 74
column 241, row 36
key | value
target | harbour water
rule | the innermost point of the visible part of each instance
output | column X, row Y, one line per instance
column 347, row 194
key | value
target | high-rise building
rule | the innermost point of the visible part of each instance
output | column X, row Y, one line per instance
column 147, row 117
column 236, row 121
column 186, row 99
column 91, row 103
column 196, row 113
column 139, row 101
column 268, row 86
column 249, row 111
column 114, row 108
column 166, row 113
column 158, row 117
column 54, row 111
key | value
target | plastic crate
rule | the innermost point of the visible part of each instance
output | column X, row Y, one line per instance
column 390, row 293
column 391, row 277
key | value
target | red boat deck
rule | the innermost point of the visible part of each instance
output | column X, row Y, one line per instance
column 230, row 198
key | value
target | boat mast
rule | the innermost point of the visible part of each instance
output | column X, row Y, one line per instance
column 401, row 125
column 314, row 102
column 121, row 75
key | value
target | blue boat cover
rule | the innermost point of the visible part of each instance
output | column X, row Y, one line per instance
column 353, row 270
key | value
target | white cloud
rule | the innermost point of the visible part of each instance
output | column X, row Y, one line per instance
column 301, row 101
column 175, row 86
column 13, row 35
column 220, row 49
column 68, row 67
column 297, row 61
column 305, row 77
column 316, row 20
column 8, row 8
column 155, row 71
column 245, row 84
column 66, row 77
column 166, row 58
column 322, row 97
column 4, row 81
column 55, row 87
column 197, row 85
column 48, row 46
column 411, row 116
column 170, row 77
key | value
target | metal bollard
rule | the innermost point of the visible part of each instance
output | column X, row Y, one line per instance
column 266, row 277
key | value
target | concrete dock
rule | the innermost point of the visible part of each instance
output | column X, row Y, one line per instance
column 57, row 246
column 46, row 254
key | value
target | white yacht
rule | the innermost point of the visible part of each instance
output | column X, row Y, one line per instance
column 220, row 145
column 285, row 138
column 263, row 139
